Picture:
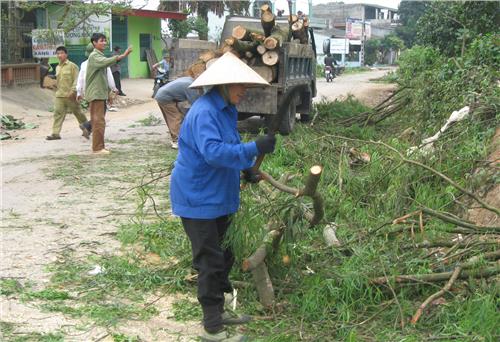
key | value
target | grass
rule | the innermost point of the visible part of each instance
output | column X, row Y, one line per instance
column 356, row 70
column 324, row 293
column 8, row 334
column 151, row 120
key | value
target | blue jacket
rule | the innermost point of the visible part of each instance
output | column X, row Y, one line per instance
column 205, row 182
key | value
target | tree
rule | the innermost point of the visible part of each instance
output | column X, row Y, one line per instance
column 77, row 13
column 449, row 26
column 409, row 13
column 377, row 49
column 202, row 8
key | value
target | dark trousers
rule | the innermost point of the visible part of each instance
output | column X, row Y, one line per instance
column 213, row 263
column 118, row 83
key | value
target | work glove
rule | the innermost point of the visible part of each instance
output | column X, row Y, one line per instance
column 250, row 176
column 265, row 144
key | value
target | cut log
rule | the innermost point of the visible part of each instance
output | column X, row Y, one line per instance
column 229, row 48
column 269, row 73
column 260, row 253
column 299, row 32
column 305, row 22
column 257, row 37
column 253, row 61
column 244, row 33
column 242, row 46
column 205, row 56
column 212, row 61
column 270, row 58
column 261, row 49
column 249, row 54
column 297, row 26
column 277, row 38
column 267, row 21
column 293, row 18
column 265, row 8
column 264, row 285
column 312, row 181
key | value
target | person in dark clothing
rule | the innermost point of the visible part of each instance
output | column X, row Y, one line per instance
column 330, row 61
column 116, row 70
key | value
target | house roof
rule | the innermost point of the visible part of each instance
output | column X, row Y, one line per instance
column 153, row 14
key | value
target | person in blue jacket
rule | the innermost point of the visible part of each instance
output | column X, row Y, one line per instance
column 205, row 183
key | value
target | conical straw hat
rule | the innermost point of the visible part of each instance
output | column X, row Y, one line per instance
column 228, row 70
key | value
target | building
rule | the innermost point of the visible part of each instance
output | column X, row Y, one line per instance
column 349, row 25
column 123, row 27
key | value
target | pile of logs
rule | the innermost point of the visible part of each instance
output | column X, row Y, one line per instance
column 259, row 49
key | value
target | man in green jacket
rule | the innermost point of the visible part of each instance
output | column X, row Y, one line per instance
column 97, row 90
column 66, row 76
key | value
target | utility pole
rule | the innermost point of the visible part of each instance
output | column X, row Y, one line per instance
column 362, row 52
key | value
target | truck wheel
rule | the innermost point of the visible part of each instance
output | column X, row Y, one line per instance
column 288, row 122
column 305, row 118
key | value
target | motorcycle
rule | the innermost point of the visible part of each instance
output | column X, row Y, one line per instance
column 161, row 78
column 329, row 74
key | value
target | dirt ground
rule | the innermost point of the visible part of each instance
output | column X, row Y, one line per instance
column 44, row 216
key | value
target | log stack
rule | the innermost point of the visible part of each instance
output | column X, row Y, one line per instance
column 259, row 49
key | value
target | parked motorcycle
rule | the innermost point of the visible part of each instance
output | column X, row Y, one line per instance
column 161, row 78
column 329, row 73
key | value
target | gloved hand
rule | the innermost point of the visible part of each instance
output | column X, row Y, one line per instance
column 265, row 144
column 251, row 176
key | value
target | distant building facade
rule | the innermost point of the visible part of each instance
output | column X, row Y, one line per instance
column 346, row 21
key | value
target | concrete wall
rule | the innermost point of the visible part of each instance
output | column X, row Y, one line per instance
column 136, row 26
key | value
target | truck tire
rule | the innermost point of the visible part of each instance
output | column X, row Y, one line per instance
column 305, row 118
column 288, row 123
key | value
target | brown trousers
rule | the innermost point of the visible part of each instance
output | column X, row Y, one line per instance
column 173, row 117
column 97, row 112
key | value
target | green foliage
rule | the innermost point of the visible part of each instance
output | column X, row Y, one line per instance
column 439, row 85
column 181, row 28
column 327, row 291
column 409, row 13
column 9, row 122
column 377, row 49
column 186, row 310
column 451, row 25
column 151, row 120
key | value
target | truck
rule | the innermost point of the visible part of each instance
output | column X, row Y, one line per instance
column 295, row 85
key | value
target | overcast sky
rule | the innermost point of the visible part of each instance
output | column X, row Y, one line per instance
column 302, row 5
